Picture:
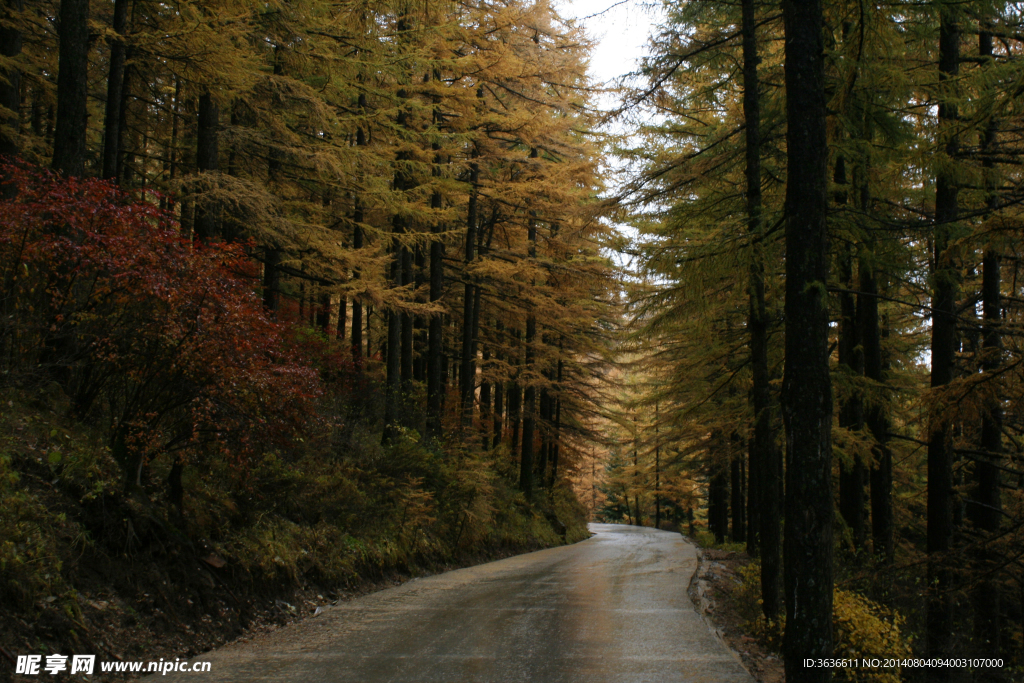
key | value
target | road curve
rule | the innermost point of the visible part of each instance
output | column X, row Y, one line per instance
column 612, row 609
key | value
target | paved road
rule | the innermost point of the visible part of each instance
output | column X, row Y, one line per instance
column 612, row 609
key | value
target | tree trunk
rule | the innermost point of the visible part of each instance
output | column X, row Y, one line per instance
column 515, row 403
column 882, row 523
column 657, row 471
column 357, row 243
column 407, row 321
column 986, row 513
column 208, row 160
column 486, row 414
column 943, row 350
column 393, row 379
column 807, row 390
column 323, row 314
column 499, row 407
column 115, row 83
column 529, row 419
column 765, row 458
column 393, row 363
column 419, row 326
column 10, row 92
column 556, row 443
column 851, row 412
column 435, row 332
column 357, row 305
column 739, row 531
column 369, row 329
column 468, row 384
column 70, row 128
column 526, row 463
column 556, row 437
column 545, row 437
column 272, row 281
column 718, row 504
column 342, row 329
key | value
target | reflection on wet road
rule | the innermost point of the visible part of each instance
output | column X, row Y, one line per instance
column 612, row 609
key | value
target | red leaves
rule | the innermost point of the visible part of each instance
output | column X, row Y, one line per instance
column 167, row 336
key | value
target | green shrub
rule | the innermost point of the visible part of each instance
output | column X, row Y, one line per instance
column 30, row 563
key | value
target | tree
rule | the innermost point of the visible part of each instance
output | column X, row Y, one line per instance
column 70, row 128
column 807, row 392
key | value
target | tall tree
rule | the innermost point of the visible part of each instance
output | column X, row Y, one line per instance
column 70, row 127
column 941, row 490
column 807, row 391
column 115, row 84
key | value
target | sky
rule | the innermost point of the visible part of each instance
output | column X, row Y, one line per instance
column 621, row 26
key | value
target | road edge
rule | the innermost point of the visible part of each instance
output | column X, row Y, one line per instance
column 698, row 593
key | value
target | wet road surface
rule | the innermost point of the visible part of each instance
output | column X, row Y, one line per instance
column 612, row 609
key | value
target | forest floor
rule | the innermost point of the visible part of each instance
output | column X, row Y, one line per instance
column 717, row 592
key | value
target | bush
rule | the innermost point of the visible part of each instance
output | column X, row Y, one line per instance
column 166, row 338
column 862, row 628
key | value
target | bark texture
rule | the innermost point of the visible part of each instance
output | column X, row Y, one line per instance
column 807, row 391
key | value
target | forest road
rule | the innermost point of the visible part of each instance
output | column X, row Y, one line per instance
column 611, row 609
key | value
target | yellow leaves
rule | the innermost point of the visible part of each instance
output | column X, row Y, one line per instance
column 864, row 628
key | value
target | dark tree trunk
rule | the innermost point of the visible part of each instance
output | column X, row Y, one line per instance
column 940, row 462
column 207, row 160
column 499, row 407
column 739, row 531
column 272, row 281
column 486, row 414
column 515, row 409
column 529, row 419
column 115, row 83
column 369, row 330
column 125, row 162
column 556, row 436
column 545, row 439
column 556, row 443
column 851, row 412
column 657, row 470
column 468, row 374
column 393, row 362
column 765, row 458
column 70, row 128
column 882, row 523
column 636, row 476
column 357, row 305
column 323, row 314
column 435, row 333
column 38, row 115
column 407, row 320
column 987, row 510
column 718, row 504
column 10, row 92
column 419, row 362
column 807, row 390
column 357, row 243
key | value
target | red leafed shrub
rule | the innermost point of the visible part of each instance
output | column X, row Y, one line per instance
column 165, row 340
